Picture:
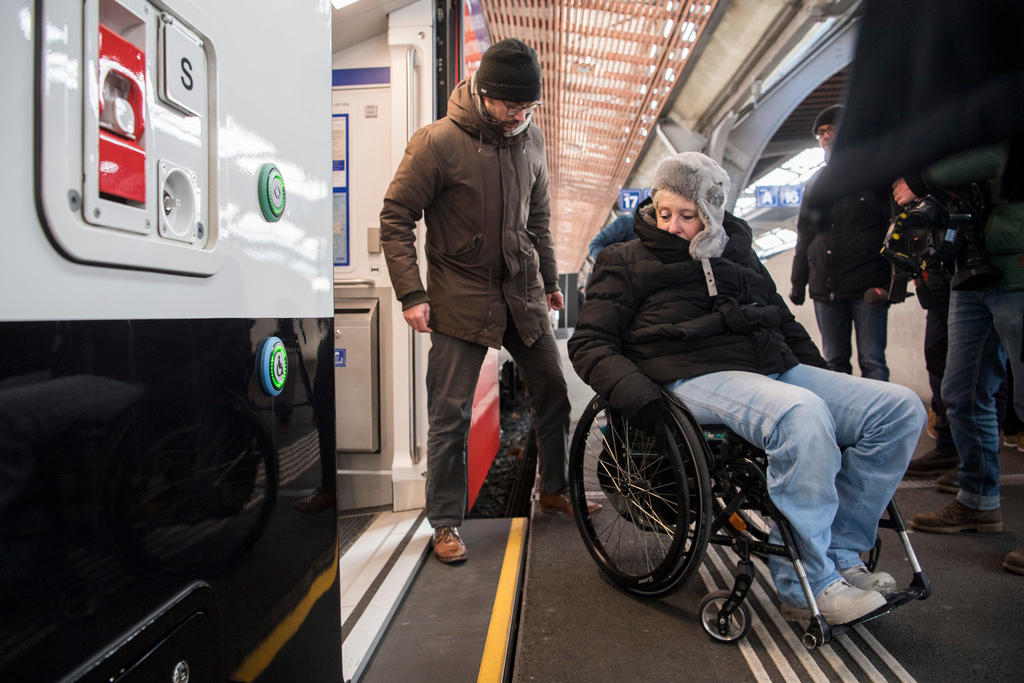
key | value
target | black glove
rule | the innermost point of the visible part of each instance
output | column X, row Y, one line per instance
column 652, row 418
column 797, row 295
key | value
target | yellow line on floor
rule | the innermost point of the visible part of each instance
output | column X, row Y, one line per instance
column 492, row 665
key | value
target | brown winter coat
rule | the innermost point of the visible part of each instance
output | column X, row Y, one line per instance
column 484, row 197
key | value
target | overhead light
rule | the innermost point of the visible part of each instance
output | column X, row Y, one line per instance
column 338, row 4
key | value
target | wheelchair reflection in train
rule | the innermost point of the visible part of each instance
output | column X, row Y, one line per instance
column 667, row 495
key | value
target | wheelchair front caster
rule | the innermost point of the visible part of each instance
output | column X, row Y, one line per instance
column 727, row 629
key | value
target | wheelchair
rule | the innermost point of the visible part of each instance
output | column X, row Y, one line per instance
column 667, row 496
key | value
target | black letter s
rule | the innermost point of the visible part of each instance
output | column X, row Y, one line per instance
column 186, row 73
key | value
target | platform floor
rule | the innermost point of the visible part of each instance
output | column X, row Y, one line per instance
column 574, row 625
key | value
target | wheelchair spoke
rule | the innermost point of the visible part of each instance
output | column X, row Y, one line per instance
column 629, row 471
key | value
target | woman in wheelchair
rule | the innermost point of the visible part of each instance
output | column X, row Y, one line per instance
column 688, row 307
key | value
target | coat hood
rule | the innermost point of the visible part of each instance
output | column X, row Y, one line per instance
column 466, row 109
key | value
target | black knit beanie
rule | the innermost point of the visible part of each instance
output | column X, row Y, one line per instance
column 828, row 115
column 509, row 71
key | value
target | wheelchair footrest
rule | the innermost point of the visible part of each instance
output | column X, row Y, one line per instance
column 892, row 601
column 919, row 589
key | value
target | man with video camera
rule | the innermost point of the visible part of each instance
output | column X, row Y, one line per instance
column 921, row 224
column 986, row 308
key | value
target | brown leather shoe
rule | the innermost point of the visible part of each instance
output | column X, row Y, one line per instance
column 933, row 421
column 448, row 546
column 1014, row 441
column 948, row 482
column 553, row 503
column 931, row 463
column 958, row 517
column 1014, row 561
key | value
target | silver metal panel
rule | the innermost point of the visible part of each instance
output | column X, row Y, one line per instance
column 266, row 104
column 357, row 375
column 361, row 481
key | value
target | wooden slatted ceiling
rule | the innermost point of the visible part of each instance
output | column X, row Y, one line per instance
column 608, row 68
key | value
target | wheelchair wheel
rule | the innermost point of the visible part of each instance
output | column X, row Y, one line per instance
column 735, row 628
column 185, row 496
column 653, row 529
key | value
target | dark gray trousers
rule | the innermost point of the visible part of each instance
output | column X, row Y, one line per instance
column 453, row 367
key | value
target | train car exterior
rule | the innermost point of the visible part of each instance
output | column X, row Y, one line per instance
column 167, row 323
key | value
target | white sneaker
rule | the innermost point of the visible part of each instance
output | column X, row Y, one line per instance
column 839, row 603
column 860, row 577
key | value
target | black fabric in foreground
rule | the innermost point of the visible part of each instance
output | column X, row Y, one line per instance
column 930, row 78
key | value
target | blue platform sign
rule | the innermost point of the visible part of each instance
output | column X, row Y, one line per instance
column 630, row 198
column 791, row 195
column 767, row 196
column 339, row 358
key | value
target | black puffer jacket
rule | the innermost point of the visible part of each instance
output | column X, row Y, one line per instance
column 837, row 251
column 649, row 318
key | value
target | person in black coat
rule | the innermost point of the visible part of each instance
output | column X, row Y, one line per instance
column 689, row 307
column 837, row 259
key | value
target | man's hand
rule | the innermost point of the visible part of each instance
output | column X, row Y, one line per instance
column 418, row 317
column 901, row 193
column 555, row 301
column 797, row 295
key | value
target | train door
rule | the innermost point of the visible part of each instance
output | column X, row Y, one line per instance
column 385, row 88
column 382, row 92
column 361, row 115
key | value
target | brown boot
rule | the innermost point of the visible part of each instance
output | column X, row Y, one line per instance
column 448, row 546
column 933, row 420
column 958, row 517
column 931, row 463
column 1014, row 561
column 948, row 483
column 553, row 503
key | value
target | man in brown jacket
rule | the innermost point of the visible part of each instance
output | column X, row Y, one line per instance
column 479, row 177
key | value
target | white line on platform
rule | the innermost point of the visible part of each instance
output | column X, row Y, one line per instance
column 362, row 562
column 360, row 643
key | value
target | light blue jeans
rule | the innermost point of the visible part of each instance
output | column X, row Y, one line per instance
column 837, row 448
column 984, row 328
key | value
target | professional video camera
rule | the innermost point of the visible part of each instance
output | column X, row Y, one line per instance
column 937, row 232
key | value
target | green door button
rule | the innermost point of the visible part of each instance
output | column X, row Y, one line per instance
column 271, row 192
column 272, row 365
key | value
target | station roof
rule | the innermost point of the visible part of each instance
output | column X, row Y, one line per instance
column 627, row 81
column 616, row 72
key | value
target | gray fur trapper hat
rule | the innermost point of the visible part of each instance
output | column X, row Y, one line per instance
column 700, row 179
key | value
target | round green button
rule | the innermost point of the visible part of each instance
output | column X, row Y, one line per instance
column 271, row 192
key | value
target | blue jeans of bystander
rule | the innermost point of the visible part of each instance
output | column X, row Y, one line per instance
column 984, row 327
column 869, row 323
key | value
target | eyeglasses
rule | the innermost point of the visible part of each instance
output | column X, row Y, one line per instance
column 514, row 108
column 827, row 129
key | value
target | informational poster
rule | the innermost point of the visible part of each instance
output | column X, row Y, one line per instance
column 339, row 162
